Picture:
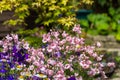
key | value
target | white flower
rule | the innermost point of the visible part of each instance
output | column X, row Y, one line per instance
column 26, row 45
column 22, row 73
column 98, row 44
column 9, row 38
column 31, row 67
column 41, row 75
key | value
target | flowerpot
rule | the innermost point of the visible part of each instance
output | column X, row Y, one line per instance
column 82, row 14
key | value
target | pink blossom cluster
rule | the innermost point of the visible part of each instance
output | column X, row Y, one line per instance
column 65, row 55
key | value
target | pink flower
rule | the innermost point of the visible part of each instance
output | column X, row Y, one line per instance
column 62, row 42
column 46, row 38
column 33, row 58
column 15, row 37
column 93, row 72
column 69, row 38
column 52, row 62
column 28, row 60
column 49, row 49
column 77, row 29
column 111, row 64
column 43, row 69
column 89, row 49
column 1, row 42
column 56, row 34
column 67, row 66
column 94, row 55
column 64, row 34
column 59, row 64
column 53, row 45
column 50, row 72
column 9, row 38
column 36, row 63
column 99, row 58
column 72, row 57
column 103, row 74
column 84, row 64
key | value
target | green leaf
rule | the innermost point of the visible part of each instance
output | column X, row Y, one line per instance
column 118, row 36
column 92, row 32
column 91, row 17
column 102, row 2
column 84, row 23
column 102, row 25
column 111, row 11
column 114, row 25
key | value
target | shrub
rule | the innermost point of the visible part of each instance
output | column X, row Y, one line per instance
column 40, row 12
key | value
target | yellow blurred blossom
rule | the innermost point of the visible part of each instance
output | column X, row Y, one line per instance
column 87, row 1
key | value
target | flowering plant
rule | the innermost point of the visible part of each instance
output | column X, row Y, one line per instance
column 13, row 55
column 63, row 56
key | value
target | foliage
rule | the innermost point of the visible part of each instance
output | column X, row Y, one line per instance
column 117, row 59
column 42, row 12
column 47, row 12
column 103, row 24
column 32, row 36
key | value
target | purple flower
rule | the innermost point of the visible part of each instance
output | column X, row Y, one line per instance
column 2, row 78
column 14, row 49
column 10, row 77
column 2, row 70
column 72, row 78
column 11, row 64
column 78, row 53
column 58, row 54
column 20, row 56
column 2, row 55
column 44, row 46
column 36, row 78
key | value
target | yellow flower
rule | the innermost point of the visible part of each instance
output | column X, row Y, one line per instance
column 19, row 67
column 28, row 74
column 21, row 78
column 88, row 1
column 77, row 46
column 46, row 79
